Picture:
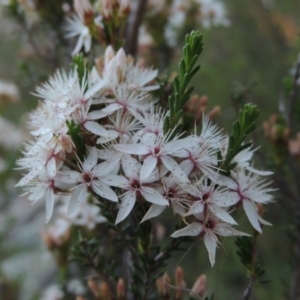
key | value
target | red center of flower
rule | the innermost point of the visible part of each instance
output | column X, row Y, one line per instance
column 205, row 196
column 87, row 177
column 136, row 184
column 210, row 224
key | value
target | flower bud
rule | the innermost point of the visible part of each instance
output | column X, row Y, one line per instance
column 105, row 291
column 180, row 284
column 94, row 287
column 80, row 298
column 108, row 56
column 124, row 7
column 214, row 112
column 198, row 288
column 83, row 7
column 162, row 285
column 121, row 289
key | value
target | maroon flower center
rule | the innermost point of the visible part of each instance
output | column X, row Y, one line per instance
column 210, row 224
column 87, row 177
column 205, row 196
column 135, row 184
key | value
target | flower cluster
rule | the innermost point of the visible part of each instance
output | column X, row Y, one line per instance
column 102, row 133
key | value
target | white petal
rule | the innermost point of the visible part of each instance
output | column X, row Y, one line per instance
column 226, row 230
column 111, row 135
column 91, row 160
column 148, row 166
column 259, row 172
column 222, row 214
column 49, row 204
column 263, row 221
column 137, row 149
column 78, row 45
column 104, row 190
column 173, row 166
column 126, row 206
column 187, row 166
column 226, row 181
column 129, row 165
column 97, row 114
column 95, row 128
column 228, row 199
column 116, row 180
column 154, row 211
column 196, row 208
column 178, row 209
column 109, row 109
column 79, row 194
column 252, row 214
column 211, row 246
column 193, row 229
column 105, row 168
column 71, row 177
column 154, row 197
column 51, row 167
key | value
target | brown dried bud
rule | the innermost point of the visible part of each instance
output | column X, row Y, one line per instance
column 80, row 298
column 198, row 288
column 94, row 287
column 294, row 146
column 121, row 289
column 180, row 284
column 178, row 275
column 162, row 285
column 105, row 291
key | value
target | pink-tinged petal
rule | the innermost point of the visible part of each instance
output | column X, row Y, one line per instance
column 97, row 114
column 196, row 208
column 79, row 194
column 211, row 246
column 70, row 177
column 250, row 210
column 111, row 108
column 116, row 180
column 173, row 166
column 148, row 166
column 226, row 230
column 91, row 160
column 104, row 190
column 130, row 166
column 193, row 229
column 187, row 166
column 228, row 199
column 95, row 128
column 126, row 206
column 49, row 203
column 222, row 214
column 136, row 149
column 78, row 45
column 154, row 211
column 154, row 196
column 51, row 167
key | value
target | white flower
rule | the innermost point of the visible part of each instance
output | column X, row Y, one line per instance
column 157, row 150
column 53, row 292
column 208, row 227
column 248, row 189
column 175, row 193
column 91, row 176
column 207, row 196
column 134, row 186
column 76, row 27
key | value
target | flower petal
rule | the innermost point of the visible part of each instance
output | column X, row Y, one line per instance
column 193, row 229
column 154, row 211
column 196, row 208
column 211, row 246
column 91, row 160
column 154, row 196
column 126, row 206
column 95, row 128
column 51, row 167
column 252, row 214
column 104, row 190
column 49, row 204
column 148, row 166
column 222, row 214
column 137, row 149
column 79, row 194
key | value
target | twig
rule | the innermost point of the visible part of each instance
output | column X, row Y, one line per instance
column 134, row 22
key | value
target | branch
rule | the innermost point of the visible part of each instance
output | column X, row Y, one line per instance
column 134, row 22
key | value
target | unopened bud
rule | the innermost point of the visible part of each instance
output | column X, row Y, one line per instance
column 203, row 100
column 163, row 286
column 180, row 284
column 83, row 7
column 178, row 275
column 214, row 112
column 124, row 8
column 109, row 54
column 121, row 289
column 198, row 288
column 105, row 291
column 80, row 298
column 286, row 133
column 94, row 287
column 266, row 128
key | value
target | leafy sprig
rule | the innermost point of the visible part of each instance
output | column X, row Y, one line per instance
column 191, row 51
column 242, row 127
